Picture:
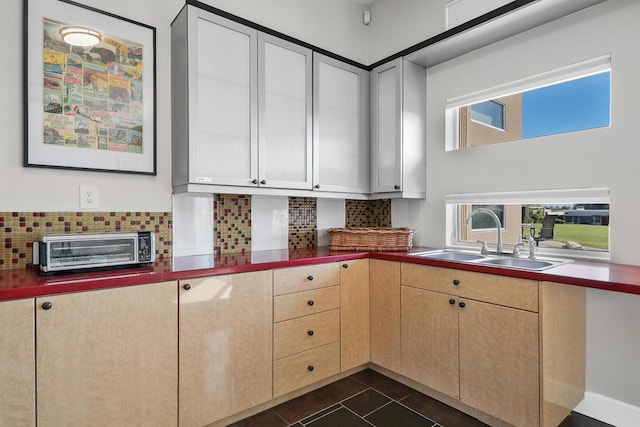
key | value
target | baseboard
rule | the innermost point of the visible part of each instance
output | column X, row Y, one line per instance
column 608, row 410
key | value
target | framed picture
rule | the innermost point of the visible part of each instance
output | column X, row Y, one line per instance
column 89, row 89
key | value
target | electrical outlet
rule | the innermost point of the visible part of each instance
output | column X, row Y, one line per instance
column 88, row 197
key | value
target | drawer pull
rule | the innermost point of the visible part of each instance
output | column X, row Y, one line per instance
column 310, row 333
column 456, row 282
column 452, row 301
column 462, row 304
column 309, row 277
column 310, row 368
column 310, row 302
column 47, row 305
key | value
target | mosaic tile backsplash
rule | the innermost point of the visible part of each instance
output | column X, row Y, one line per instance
column 368, row 213
column 231, row 223
column 303, row 223
column 19, row 229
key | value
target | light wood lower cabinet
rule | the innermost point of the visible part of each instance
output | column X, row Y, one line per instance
column 17, row 357
column 354, row 333
column 484, row 354
column 108, row 357
column 225, row 345
column 384, row 315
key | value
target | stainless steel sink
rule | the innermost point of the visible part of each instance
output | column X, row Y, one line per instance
column 450, row 255
column 523, row 263
column 537, row 264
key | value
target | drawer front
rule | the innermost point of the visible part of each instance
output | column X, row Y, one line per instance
column 298, row 335
column 300, row 304
column 298, row 279
column 305, row 368
column 502, row 290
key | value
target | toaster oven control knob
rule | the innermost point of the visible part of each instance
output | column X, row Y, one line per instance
column 47, row 305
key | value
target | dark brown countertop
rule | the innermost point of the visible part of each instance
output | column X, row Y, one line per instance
column 27, row 283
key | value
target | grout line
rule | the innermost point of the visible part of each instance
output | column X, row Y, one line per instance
column 319, row 418
column 361, row 417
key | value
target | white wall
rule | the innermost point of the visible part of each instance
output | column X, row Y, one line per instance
column 329, row 24
column 398, row 24
column 605, row 157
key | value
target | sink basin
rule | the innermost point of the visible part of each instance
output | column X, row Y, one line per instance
column 523, row 263
column 450, row 255
column 537, row 264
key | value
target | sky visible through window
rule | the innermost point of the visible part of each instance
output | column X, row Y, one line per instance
column 583, row 103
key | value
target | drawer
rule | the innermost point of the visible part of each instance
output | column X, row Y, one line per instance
column 300, row 304
column 297, row 279
column 305, row 368
column 305, row 333
column 502, row 290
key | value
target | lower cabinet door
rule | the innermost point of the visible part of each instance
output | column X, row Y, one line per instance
column 108, row 357
column 299, row 370
column 499, row 364
column 430, row 339
column 225, row 345
column 17, row 358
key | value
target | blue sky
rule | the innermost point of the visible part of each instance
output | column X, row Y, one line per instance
column 574, row 105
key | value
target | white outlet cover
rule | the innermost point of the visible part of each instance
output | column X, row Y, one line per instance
column 88, row 197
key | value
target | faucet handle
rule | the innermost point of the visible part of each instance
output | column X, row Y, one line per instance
column 485, row 248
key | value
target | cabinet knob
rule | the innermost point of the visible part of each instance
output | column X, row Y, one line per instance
column 310, row 368
column 317, row 186
column 309, row 277
column 47, row 305
column 254, row 181
column 263, row 182
column 396, row 187
column 456, row 282
column 462, row 304
column 345, row 265
column 310, row 333
column 452, row 301
column 186, row 287
column 310, row 302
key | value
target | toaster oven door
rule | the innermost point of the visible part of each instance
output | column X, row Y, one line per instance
column 88, row 253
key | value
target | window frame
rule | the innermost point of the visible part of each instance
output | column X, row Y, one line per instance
column 504, row 115
column 453, row 203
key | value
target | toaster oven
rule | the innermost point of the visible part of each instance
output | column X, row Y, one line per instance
column 67, row 252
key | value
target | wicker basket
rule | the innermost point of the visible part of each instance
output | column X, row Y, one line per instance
column 370, row 239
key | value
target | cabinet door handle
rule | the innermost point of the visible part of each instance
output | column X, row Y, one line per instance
column 396, row 187
column 47, row 305
column 452, row 301
column 456, row 282
column 254, row 181
column 310, row 302
column 317, row 186
column 462, row 304
column 310, row 368
column 186, row 287
column 310, row 333
column 345, row 265
column 309, row 278
column 263, row 182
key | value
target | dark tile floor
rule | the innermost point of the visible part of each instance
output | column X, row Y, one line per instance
column 369, row 398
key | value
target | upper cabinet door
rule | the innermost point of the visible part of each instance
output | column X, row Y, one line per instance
column 386, row 119
column 222, row 91
column 285, row 115
column 340, row 126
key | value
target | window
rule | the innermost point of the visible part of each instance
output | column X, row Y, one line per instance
column 562, row 222
column 490, row 113
column 573, row 98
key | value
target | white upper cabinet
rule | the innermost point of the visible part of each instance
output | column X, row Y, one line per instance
column 340, row 126
column 398, row 132
column 284, row 113
column 214, row 100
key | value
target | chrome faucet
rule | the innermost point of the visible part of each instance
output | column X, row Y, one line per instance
column 495, row 218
